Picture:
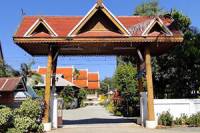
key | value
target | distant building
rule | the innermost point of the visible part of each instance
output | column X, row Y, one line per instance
column 67, row 72
column 60, row 83
column 13, row 91
column 93, row 81
column 82, row 79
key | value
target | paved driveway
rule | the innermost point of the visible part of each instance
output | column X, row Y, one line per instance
column 95, row 119
column 92, row 115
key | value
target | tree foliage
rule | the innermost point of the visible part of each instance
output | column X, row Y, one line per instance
column 106, row 85
column 125, row 81
column 150, row 8
column 7, row 71
column 175, row 73
column 125, row 78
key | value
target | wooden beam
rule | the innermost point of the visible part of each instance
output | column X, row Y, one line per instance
column 48, row 86
column 150, row 96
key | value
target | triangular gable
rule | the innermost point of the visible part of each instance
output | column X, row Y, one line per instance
column 99, row 7
column 157, row 22
column 40, row 27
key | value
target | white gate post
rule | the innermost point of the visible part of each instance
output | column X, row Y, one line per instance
column 54, row 111
column 143, row 107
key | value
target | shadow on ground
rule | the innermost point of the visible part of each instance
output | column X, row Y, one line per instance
column 98, row 121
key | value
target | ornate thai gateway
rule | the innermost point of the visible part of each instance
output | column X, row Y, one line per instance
column 99, row 32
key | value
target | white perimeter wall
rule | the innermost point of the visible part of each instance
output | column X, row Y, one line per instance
column 176, row 107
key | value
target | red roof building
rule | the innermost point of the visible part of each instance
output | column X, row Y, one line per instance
column 98, row 23
column 67, row 72
column 9, row 86
column 83, row 79
column 62, row 25
column 93, row 80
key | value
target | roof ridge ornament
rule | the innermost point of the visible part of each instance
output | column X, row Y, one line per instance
column 99, row 6
column 100, row 3
column 40, row 18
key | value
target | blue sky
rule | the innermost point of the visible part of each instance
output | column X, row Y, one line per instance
column 10, row 14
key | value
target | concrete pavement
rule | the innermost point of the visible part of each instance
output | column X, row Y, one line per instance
column 95, row 119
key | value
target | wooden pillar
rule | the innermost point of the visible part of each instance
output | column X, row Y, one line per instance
column 150, row 95
column 48, row 87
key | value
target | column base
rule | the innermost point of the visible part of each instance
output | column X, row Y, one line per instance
column 139, row 121
column 151, row 124
column 47, row 127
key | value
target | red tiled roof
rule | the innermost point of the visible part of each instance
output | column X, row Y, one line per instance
column 9, row 84
column 62, row 25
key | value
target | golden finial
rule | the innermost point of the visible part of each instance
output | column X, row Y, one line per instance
column 99, row 3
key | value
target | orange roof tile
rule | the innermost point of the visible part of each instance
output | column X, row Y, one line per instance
column 66, row 71
column 93, row 76
column 81, row 83
column 93, row 85
column 83, row 75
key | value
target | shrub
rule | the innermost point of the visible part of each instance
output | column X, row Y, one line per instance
column 13, row 130
column 182, row 120
column 26, row 124
column 29, row 116
column 194, row 120
column 25, row 119
column 5, row 118
column 165, row 119
column 118, row 113
column 82, row 96
column 29, row 108
column 110, row 107
column 68, row 95
column 23, row 124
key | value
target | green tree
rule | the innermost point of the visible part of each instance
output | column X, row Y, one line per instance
column 106, row 85
column 7, row 71
column 125, row 81
column 125, row 78
column 175, row 73
column 29, row 75
column 150, row 8
column 68, row 95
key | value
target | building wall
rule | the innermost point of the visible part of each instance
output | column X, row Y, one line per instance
column 6, row 98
